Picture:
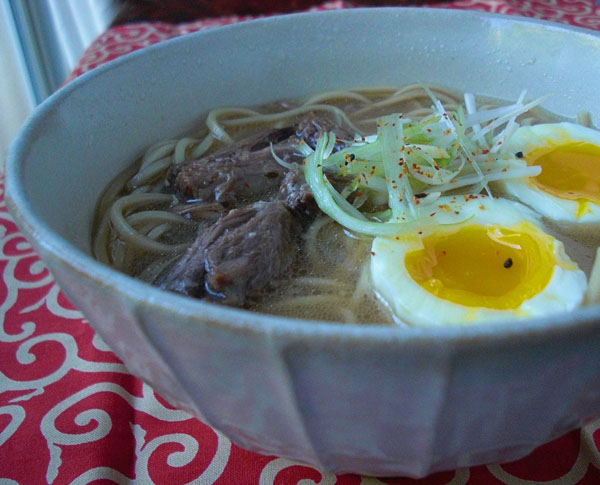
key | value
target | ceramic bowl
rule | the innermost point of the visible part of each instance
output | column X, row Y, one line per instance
column 379, row 400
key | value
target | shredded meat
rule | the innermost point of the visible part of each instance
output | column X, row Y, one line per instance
column 264, row 208
column 241, row 254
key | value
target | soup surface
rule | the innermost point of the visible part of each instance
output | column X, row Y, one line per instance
column 253, row 210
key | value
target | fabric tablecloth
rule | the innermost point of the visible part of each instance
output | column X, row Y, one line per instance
column 71, row 413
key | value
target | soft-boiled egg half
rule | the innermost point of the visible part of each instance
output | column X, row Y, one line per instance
column 568, row 189
column 496, row 264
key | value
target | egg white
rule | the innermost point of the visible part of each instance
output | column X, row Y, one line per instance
column 414, row 305
column 554, row 208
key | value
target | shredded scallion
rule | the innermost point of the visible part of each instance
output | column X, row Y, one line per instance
column 413, row 163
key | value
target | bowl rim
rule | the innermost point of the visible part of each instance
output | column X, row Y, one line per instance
column 581, row 320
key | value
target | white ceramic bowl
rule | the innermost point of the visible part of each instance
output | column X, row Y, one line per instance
column 374, row 400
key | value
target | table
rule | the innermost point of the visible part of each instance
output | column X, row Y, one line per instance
column 71, row 413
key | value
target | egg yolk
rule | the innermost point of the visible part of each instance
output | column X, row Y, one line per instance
column 570, row 171
column 477, row 266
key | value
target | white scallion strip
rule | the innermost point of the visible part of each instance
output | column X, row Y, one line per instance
column 390, row 132
column 473, row 179
column 511, row 127
column 471, row 108
column 281, row 161
column 313, row 172
column 343, row 203
column 443, row 152
column 512, row 113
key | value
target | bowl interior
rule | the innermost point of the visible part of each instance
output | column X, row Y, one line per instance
column 85, row 134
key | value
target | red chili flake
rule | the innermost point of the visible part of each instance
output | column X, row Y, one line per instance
column 358, row 194
column 485, row 151
column 432, row 214
column 247, row 185
column 319, row 165
column 372, row 253
column 443, row 253
column 505, row 169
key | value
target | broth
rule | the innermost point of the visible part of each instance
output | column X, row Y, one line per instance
column 329, row 278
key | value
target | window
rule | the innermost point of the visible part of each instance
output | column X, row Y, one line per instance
column 40, row 43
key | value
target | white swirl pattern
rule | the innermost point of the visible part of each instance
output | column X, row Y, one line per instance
column 17, row 414
column 74, row 392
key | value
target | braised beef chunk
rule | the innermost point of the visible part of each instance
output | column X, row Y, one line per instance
column 297, row 195
column 240, row 255
column 246, row 171
column 263, row 206
column 239, row 177
column 275, row 137
column 311, row 127
column 241, row 173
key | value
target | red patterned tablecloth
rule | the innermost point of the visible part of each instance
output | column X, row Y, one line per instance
column 71, row 413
